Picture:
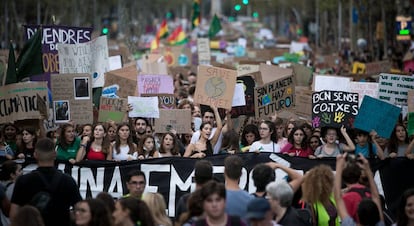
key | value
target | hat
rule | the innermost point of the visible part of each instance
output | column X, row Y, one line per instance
column 257, row 208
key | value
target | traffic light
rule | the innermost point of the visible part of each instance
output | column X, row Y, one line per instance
column 246, row 2
column 237, row 7
column 105, row 30
column 255, row 15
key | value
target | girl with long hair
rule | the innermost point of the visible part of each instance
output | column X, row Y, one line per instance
column 157, row 206
column 123, row 149
column 298, row 145
column 68, row 144
column 95, row 147
column 168, row 147
column 146, row 147
column 132, row 212
column 268, row 140
column 398, row 142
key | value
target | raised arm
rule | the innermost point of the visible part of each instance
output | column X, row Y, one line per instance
column 340, row 205
column 126, row 115
column 82, row 149
column 219, row 127
column 349, row 146
column 296, row 178
column 229, row 123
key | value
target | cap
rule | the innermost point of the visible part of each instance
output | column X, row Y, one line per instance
column 257, row 208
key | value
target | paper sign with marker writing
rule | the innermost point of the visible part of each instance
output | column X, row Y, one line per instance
column 112, row 109
column 330, row 82
column 244, row 69
column 146, row 107
column 153, row 84
column 364, row 88
column 394, row 88
column 377, row 115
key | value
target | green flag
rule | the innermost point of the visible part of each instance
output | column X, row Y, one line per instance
column 11, row 76
column 30, row 61
column 215, row 26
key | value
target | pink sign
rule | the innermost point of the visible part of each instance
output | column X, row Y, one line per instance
column 155, row 84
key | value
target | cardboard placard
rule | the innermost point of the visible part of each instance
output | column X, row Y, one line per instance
column 394, row 88
column 377, row 67
column 364, row 88
column 74, row 90
column 112, row 109
column 275, row 96
column 334, row 108
column 215, row 86
column 146, row 107
column 177, row 119
column 302, row 75
column 330, row 82
column 371, row 118
column 410, row 101
column 19, row 101
column 152, row 84
column 90, row 57
column 303, row 103
column 165, row 101
column 203, row 49
column 271, row 72
column 244, row 69
column 121, row 83
column 42, row 106
column 154, row 64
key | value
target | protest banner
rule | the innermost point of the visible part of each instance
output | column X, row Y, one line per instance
column 364, row 88
column 53, row 34
column 176, row 119
column 121, row 83
column 152, row 84
column 375, row 68
column 165, row 101
column 244, row 69
column 377, row 115
column 90, row 57
column 215, row 86
column 394, row 88
column 203, row 49
column 146, row 107
column 19, row 101
column 271, row 73
column 302, row 74
column 72, row 98
column 330, row 82
column 334, row 108
column 274, row 96
column 112, row 109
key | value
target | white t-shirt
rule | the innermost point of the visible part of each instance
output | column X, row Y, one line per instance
column 123, row 154
column 270, row 147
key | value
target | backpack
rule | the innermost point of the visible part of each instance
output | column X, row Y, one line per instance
column 43, row 198
column 363, row 192
column 234, row 221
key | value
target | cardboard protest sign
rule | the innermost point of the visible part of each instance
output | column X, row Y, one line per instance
column 303, row 103
column 274, row 96
column 248, row 109
column 410, row 101
column 53, row 34
column 271, row 72
column 371, row 118
column 215, row 86
column 364, row 88
column 42, row 106
column 121, row 83
column 19, row 101
column 203, row 49
column 377, row 67
column 302, row 75
column 244, row 69
column 72, row 97
column 154, row 64
column 394, row 88
column 334, row 108
column 91, row 57
column 146, row 107
column 177, row 119
column 165, row 101
column 150, row 84
column 112, row 109
column 329, row 82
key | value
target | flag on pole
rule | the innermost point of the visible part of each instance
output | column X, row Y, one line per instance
column 196, row 16
column 215, row 26
column 177, row 37
column 29, row 61
column 163, row 30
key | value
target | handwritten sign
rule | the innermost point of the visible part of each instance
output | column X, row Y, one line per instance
column 146, row 107
column 244, row 69
column 377, row 115
column 215, row 86
column 112, row 109
column 203, row 49
column 121, row 83
column 177, row 119
column 274, row 97
column 53, row 34
column 165, row 101
column 377, row 67
column 91, row 57
column 364, row 88
column 151, row 84
column 64, row 91
column 394, row 88
column 328, row 82
column 19, row 101
column 334, row 108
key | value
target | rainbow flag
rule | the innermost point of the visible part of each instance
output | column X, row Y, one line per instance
column 177, row 37
column 196, row 16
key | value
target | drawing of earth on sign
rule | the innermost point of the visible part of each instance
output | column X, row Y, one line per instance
column 215, row 87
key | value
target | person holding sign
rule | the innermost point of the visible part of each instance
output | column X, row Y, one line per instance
column 331, row 148
column 123, row 149
column 268, row 140
column 204, row 146
column 298, row 145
